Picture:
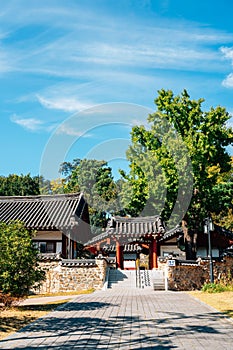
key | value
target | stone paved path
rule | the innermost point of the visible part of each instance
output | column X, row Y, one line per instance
column 127, row 319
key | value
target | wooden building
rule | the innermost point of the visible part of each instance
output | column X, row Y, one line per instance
column 138, row 242
column 60, row 221
column 131, row 238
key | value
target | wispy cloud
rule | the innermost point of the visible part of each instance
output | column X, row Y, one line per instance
column 31, row 124
column 65, row 129
column 63, row 103
column 228, row 54
column 89, row 45
column 228, row 81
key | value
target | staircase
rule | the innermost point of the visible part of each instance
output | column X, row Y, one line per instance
column 119, row 279
column 146, row 279
column 158, row 279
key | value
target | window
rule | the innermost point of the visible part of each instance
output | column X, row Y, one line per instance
column 47, row 247
column 50, row 247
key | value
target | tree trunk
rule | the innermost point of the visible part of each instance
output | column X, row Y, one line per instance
column 190, row 239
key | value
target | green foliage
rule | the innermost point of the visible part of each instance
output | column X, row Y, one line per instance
column 19, row 185
column 214, row 288
column 19, row 269
column 93, row 178
column 222, row 199
column 45, row 186
column 184, row 147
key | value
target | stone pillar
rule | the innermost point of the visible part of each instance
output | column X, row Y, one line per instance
column 119, row 257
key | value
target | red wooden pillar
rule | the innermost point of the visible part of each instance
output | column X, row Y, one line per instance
column 119, row 258
column 154, row 254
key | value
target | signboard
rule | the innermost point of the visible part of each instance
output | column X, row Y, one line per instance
column 171, row 263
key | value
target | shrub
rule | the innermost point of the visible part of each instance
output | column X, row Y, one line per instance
column 213, row 288
column 19, row 269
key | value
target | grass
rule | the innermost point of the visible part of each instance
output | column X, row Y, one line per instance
column 221, row 301
column 14, row 318
column 77, row 292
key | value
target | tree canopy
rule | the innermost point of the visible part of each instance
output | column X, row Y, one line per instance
column 93, row 178
column 184, row 147
column 19, row 185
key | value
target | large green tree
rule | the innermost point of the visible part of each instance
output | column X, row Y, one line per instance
column 19, row 269
column 93, row 178
column 182, row 145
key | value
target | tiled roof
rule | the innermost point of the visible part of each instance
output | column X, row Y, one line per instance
column 125, row 227
column 129, row 248
column 139, row 226
column 43, row 212
column 171, row 233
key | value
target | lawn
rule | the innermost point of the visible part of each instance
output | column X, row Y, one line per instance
column 220, row 301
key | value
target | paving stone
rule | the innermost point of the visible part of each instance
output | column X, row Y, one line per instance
column 127, row 319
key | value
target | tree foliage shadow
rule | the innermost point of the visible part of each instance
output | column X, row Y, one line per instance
column 61, row 329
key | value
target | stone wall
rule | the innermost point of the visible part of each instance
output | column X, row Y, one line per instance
column 187, row 277
column 72, row 275
column 192, row 276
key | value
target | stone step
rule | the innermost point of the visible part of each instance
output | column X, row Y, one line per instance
column 159, row 285
column 121, row 279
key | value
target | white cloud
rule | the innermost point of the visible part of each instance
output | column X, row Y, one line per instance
column 94, row 44
column 63, row 103
column 31, row 124
column 65, row 129
column 228, row 81
column 227, row 52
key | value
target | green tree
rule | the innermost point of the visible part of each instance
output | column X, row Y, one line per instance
column 19, row 185
column 180, row 132
column 93, row 178
column 57, row 186
column 19, row 269
column 222, row 199
column 45, row 186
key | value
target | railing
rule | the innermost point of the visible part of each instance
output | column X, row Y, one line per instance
column 142, row 278
column 138, row 278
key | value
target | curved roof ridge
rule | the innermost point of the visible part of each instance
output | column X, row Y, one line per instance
column 38, row 197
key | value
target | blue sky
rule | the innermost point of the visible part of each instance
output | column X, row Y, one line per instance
column 89, row 70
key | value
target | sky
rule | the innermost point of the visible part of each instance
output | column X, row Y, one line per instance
column 76, row 75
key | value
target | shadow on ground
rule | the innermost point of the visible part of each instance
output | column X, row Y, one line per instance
column 62, row 329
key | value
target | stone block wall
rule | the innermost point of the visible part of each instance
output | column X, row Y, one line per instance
column 68, row 276
column 193, row 276
column 187, row 277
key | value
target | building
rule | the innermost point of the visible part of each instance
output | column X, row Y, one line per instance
column 134, row 241
column 60, row 221
column 138, row 242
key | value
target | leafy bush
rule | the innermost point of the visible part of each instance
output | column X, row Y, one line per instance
column 213, row 288
column 19, row 269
